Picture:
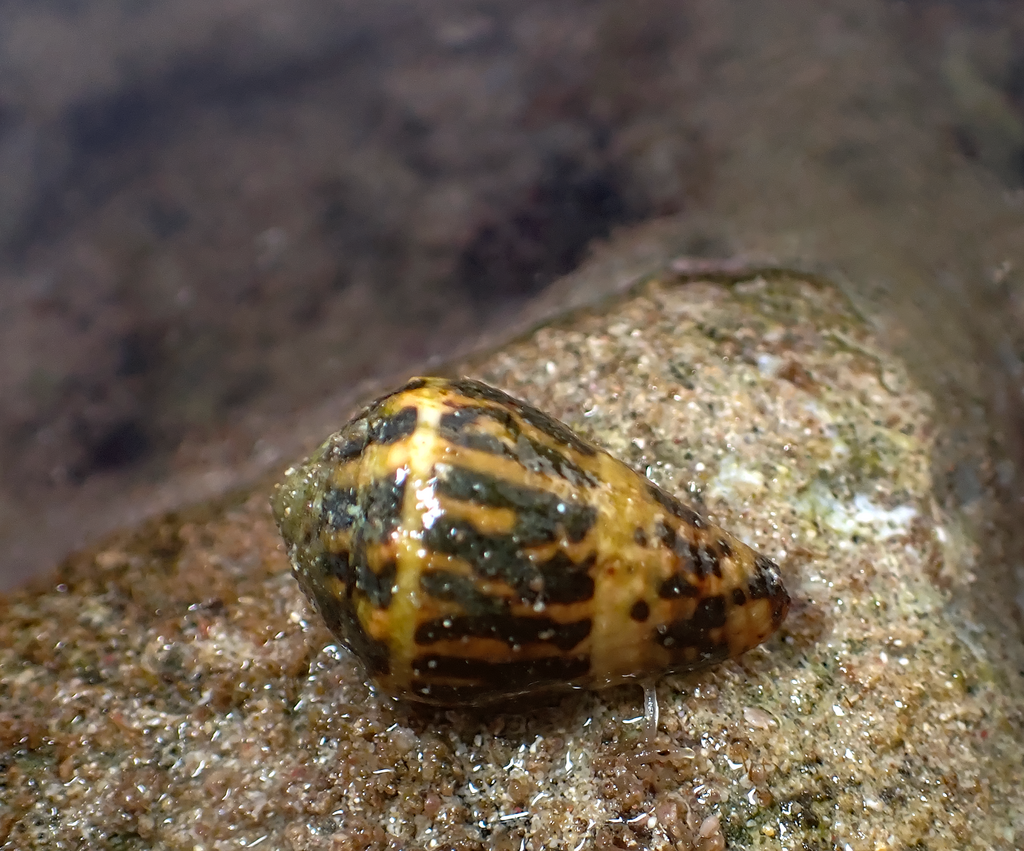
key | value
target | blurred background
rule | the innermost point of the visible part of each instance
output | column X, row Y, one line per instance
column 218, row 220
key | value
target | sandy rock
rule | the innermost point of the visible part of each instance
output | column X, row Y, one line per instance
column 174, row 690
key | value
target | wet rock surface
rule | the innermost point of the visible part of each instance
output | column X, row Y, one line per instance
column 172, row 689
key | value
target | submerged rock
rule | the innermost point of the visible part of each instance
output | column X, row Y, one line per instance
column 172, row 688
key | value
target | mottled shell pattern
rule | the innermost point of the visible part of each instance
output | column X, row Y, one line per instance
column 468, row 547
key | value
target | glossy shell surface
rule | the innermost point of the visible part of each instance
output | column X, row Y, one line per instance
column 467, row 547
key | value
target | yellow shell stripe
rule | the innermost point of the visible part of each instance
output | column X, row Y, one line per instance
column 417, row 454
